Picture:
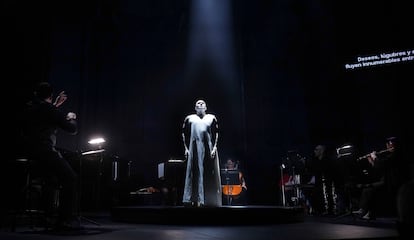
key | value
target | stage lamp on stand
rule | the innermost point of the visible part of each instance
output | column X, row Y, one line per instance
column 97, row 142
column 98, row 152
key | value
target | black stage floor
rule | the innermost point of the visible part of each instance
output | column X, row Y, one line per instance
column 224, row 223
column 225, row 215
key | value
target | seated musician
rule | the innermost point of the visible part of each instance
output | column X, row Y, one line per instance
column 387, row 174
column 234, row 194
column 42, row 120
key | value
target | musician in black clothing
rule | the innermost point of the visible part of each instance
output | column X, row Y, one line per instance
column 42, row 120
column 319, row 173
column 387, row 174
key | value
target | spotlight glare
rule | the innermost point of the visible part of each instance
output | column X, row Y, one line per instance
column 95, row 141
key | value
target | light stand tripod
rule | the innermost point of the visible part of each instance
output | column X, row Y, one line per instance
column 350, row 202
column 80, row 217
column 348, row 190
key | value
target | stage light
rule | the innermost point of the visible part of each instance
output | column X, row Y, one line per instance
column 345, row 150
column 96, row 141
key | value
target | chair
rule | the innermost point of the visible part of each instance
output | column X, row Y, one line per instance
column 28, row 208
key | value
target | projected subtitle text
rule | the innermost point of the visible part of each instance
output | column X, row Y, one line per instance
column 381, row 59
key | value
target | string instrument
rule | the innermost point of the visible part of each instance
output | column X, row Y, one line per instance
column 232, row 190
column 234, row 185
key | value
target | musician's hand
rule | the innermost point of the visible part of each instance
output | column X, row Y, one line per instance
column 213, row 152
column 186, row 153
column 60, row 99
column 371, row 158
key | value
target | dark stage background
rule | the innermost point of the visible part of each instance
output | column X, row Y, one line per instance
column 274, row 75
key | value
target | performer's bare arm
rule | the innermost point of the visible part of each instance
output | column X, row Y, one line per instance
column 214, row 150
column 186, row 151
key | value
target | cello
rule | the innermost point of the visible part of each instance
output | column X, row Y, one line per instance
column 234, row 187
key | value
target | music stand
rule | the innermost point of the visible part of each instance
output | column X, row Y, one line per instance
column 80, row 217
column 230, row 177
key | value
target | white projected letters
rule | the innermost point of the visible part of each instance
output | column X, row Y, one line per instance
column 383, row 58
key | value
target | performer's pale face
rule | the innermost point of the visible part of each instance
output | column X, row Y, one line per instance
column 230, row 164
column 200, row 107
